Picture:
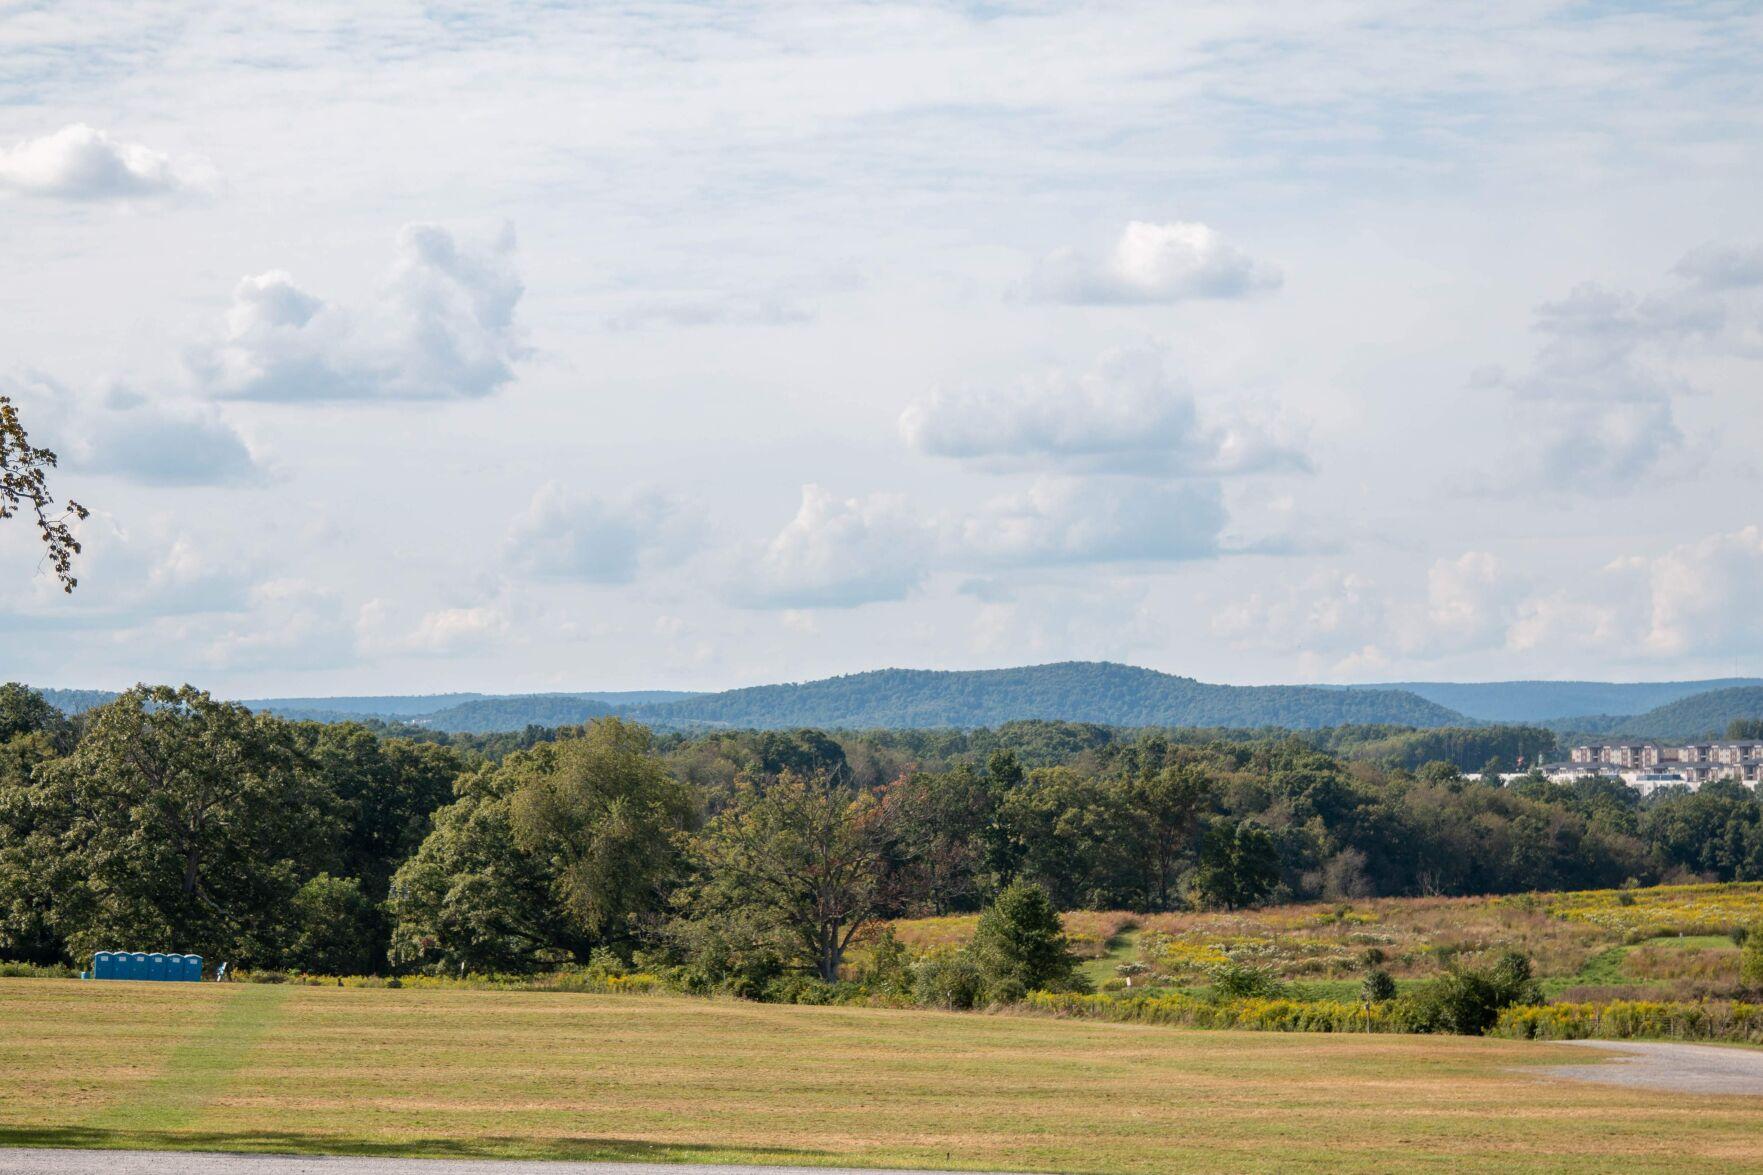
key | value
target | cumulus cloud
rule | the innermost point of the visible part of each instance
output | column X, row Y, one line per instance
column 442, row 328
column 837, row 553
column 128, row 574
column 289, row 624
column 1127, row 414
column 593, row 539
column 844, row 552
column 1152, row 263
column 79, row 162
column 1597, row 406
column 1722, row 266
column 439, row 632
column 1702, row 595
column 149, row 440
column 1073, row 520
column 1695, row 599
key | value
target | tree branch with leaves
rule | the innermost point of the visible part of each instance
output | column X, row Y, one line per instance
column 24, row 485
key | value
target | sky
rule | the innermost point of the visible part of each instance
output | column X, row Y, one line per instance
column 410, row 348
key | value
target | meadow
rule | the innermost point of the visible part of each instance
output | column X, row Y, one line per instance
column 654, row 1077
column 1662, row 942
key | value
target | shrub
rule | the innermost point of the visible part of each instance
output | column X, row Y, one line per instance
column 1751, row 961
column 1020, row 945
column 1467, row 1001
column 889, row 968
column 1379, row 987
column 1239, row 981
column 949, row 981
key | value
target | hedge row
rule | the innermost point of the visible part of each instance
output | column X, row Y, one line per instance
column 1634, row 1019
column 1258, row 1015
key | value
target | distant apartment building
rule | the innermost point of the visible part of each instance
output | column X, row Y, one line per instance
column 1649, row 765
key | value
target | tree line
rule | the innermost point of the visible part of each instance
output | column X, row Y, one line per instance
column 740, row 861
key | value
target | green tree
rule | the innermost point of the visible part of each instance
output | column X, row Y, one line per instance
column 559, row 851
column 24, row 484
column 1239, row 865
column 1020, row 945
column 335, row 929
column 798, row 862
column 178, row 823
column 1163, row 807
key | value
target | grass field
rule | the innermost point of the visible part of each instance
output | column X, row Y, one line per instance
column 485, row 1073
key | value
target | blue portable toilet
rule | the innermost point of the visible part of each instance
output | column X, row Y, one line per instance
column 102, row 966
column 137, row 966
column 193, row 968
column 155, row 966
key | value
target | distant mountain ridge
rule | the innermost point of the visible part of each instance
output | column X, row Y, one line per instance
column 1077, row 691
column 1704, row 715
column 1546, row 701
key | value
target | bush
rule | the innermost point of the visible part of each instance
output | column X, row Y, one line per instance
column 1468, row 1002
column 951, row 981
column 1751, row 961
column 1379, row 987
column 1239, row 981
column 1020, row 946
column 889, row 969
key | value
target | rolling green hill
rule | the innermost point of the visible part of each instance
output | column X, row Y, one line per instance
column 1699, row 716
column 1074, row 691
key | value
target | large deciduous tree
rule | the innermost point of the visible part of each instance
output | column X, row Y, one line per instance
column 795, row 863
column 558, row 851
column 178, row 823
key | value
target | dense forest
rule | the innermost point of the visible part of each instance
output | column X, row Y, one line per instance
column 167, row 820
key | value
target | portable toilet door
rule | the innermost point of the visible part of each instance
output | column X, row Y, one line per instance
column 193, row 968
column 102, row 967
column 137, row 966
column 156, row 966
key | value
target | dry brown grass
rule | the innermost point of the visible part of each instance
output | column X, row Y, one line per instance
column 626, row 1077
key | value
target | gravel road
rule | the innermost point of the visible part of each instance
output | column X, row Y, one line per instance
column 22, row 1161
column 1681, row 1068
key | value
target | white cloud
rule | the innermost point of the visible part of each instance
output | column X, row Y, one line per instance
column 127, row 574
column 152, row 441
column 1127, row 414
column 289, row 624
column 1722, row 266
column 1597, row 407
column 1073, row 521
column 440, row 632
column 591, row 539
column 1702, row 596
column 1152, row 263
column 442, row 328
column 837, row 553
column 79, row 162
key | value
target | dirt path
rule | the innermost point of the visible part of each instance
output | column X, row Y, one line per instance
column 70, row 1162
column 1681, row 1068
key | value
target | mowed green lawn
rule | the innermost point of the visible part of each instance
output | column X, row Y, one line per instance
column 480, row 1073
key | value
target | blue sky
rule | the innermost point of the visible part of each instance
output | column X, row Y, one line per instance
column 692, row 345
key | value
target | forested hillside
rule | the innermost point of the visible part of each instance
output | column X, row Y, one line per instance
column 1701, row 716
column 1073, row 691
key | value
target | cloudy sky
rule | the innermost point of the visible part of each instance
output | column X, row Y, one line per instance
column 626, row 345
